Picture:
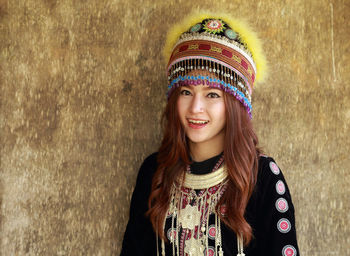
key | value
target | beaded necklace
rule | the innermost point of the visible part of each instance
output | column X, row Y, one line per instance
column 191, row 205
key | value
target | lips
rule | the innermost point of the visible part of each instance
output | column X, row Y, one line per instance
column 197, row 123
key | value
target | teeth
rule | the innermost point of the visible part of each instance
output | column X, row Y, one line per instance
column 197, row 121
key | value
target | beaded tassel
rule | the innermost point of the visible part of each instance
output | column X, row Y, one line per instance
column 163, row 248
column 221, row 252
column 216, row 234
column 240, row 246
column 157, row 242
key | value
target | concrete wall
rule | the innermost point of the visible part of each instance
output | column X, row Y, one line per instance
column 82, row 92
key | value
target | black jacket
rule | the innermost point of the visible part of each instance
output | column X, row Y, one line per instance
column 270, row 213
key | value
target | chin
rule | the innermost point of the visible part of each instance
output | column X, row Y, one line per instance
column 197, row 139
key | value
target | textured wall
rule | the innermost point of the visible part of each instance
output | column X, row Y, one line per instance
column 82, row 91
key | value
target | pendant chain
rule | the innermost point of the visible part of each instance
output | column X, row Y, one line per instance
column 190, row 207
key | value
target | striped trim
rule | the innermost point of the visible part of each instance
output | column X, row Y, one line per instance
column 216, row 51
column 220, row 41
column 175, row 61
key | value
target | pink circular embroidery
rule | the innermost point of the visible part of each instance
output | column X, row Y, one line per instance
column 223, row 210
column 283, row 225
column 280, row 188
column 282, row 205
column 274, row 168
column 210, row 250
column 289, row 250
column 212, row 232
column 171, row 234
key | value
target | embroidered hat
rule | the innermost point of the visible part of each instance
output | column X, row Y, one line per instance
column 227, row 48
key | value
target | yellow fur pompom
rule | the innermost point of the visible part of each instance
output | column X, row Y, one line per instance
column 244, row 30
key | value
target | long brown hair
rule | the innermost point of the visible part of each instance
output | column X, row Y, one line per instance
column 241, row 160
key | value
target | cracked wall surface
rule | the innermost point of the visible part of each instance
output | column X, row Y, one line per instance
column 82, row 92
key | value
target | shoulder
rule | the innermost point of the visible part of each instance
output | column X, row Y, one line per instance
column 270, row 180
column 150, row 161
column 268, row 168
column 268, row 163
column 271, row 189
column 148, row 167
column 143, row 185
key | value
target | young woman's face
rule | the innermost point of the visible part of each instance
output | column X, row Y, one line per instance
column 202, row 113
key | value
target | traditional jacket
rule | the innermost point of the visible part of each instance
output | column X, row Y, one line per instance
column 270, row 213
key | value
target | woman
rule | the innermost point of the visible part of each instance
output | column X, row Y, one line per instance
column 209, row 190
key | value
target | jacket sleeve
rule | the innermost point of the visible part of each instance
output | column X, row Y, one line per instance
column 276, row 233
column 139, row 237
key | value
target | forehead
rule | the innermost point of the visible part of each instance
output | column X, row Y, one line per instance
column 200, row 87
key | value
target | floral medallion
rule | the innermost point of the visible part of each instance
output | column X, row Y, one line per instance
column 189, row 217
column 214, row 26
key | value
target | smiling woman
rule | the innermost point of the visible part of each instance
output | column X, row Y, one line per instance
column 203, row 117
column 209, row 189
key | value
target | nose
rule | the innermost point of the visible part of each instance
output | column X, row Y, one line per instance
column 197, row 104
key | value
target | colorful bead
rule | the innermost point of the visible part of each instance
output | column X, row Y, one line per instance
column 196, row 28
column 230, row 34
column 245, row 99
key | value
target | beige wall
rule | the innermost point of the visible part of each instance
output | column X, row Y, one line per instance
column 82, row 91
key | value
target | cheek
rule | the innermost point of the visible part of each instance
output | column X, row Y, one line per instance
column 223, row 112
column 219, row 109
column 220, row 113
column 180, row 108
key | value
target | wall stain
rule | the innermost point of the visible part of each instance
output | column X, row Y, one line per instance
column 51, row 4
column 3, row 9
column 127, row 86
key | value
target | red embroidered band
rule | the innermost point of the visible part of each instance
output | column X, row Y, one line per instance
column 216, row 51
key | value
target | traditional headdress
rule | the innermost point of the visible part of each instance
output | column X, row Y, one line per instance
column 224, row 46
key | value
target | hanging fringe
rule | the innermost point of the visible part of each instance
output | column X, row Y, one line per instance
column 240, row 245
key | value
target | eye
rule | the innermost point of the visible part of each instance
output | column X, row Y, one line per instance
column 213, row 95
column 185, row 92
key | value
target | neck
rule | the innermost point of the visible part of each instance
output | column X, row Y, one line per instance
column 205, row 150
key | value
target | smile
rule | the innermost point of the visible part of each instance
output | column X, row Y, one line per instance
column 193, row 121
